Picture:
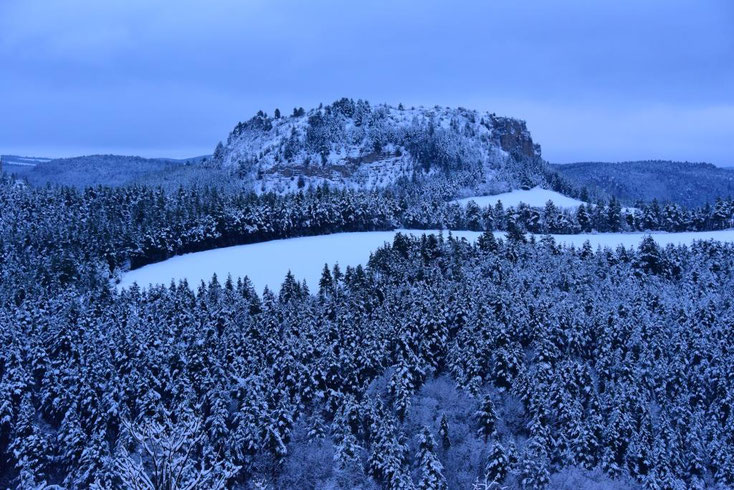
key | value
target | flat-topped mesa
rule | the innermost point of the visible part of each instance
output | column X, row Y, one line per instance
column 353, row 144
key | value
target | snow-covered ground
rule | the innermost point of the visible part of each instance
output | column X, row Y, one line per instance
column 267, row 263
column 535, row 197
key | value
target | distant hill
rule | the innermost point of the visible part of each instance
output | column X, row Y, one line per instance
column 114, row 170
column 685, row 183
column 17, row 161
column 353, row 144
column 20, row 166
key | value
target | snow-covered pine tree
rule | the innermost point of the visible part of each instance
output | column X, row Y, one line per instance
column 497, row 465
column 486, row 418
column 431, row 469
column 443, row 431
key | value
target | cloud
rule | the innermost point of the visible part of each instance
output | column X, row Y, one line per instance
column 133, row 73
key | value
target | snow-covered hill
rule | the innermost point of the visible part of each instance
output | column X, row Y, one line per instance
column 352, row 144
column 536, row 197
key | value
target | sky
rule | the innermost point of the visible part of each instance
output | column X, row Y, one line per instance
column 595, row 80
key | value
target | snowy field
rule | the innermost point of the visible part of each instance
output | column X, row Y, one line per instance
column 535, row 197
column 267, row 263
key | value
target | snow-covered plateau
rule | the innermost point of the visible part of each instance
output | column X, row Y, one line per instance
column 355, row 145
column 267, row 263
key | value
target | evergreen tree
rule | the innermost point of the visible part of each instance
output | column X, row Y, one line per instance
column 487, row 242
column 388, row 456
column 486, row 418
column 73, row 440
column 498, row 465
column 515, row 233
column 326, row 283
column 29, row 447
column 473, row 216
column 583, row 219
column 649, row 259
column 431, row 468
column 614, row 215
column 443, row 431
column 551, row 218
column 219, row 151
column 534, row 472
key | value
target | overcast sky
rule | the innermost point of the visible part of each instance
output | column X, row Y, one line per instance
column 595, row 80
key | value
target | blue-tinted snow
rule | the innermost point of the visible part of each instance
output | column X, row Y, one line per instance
column 267, row 263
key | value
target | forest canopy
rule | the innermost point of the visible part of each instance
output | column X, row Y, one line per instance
column 441, row 364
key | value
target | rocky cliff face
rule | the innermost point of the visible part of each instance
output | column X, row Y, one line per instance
column 356, row 145
column 515, row 138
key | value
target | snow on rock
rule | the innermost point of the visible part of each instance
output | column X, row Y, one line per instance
column 267, row 263
column 535, row 197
